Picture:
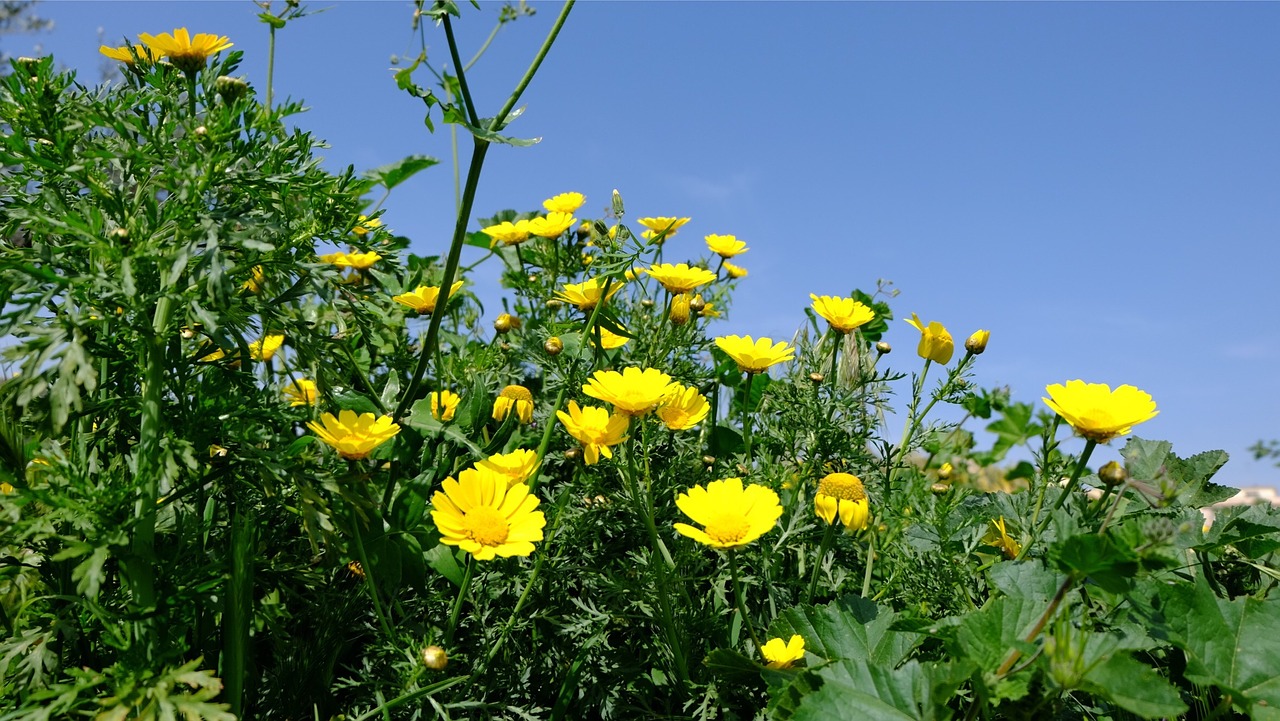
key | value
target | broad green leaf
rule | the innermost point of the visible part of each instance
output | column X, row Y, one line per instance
column 986, row 636
column 1145, row 459
column 851, row 627
column 859, row 688
column 1024, row 579
column 393, row 174
column 1104, row 560
column 1134, row 687
column 441, row 558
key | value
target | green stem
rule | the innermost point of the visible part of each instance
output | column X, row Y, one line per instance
column 271, row 64
column 239, row 610
column 871, row 562
column 385, row 706
column 746, row 416
column 457, row 604
column 1062, row 497
column 742, row 606
column 1040, row 624
column 835, row 358
column 501, row 117
column 817, row 561
column 368, row 578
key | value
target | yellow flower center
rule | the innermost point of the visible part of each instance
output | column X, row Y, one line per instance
column 728, row 527
column 486, row 526
column 842, row 486
column 517, row 393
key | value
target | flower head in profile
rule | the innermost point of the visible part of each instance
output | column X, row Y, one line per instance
column 999, row 537
column 507, row 232
column 977, row 343
column 359, row 261
column 683, row 408
column 844, row 314
column 364, row 224
column 586, row 295
column 480, row 514
column 755, row 356
column 726, row 246
column 841, row 495
column 732, row 515
column 444, row 404
column 1097, row 412
column 783, row 654
column 680, row 278
column 935, row 342
column 678, row 313
column 660, row 228
column 517, row 466
column 354, row 436
column 128, row 54
column 188, row 53
column 302, row 392
column 517, row 398
column 608, row 339
column 595, row 428
column 423, row 299
column 564, row 203
column 634, row 392
column 552, row 225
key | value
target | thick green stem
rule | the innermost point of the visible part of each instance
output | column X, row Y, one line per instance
column 239, row 610
column 457, row 604
column 368, row 578
column 1067, row 583
column 742, row 605
column 871, row 562
column 829, row 534
column 1066, row 491
column 746, row 416
column 271, row 65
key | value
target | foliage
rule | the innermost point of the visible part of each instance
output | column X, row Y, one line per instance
column 179, row 543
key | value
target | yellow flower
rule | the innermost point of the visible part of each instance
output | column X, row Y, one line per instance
column 586, row 294
column 634, row 392
column 365, row 224
column 783, row 654
column 977, row 342
column 844, row 314
column 734, row 271
column 935, row 342
column 517, row 466
column 595, row 429
column 265, row 348
column 564, row 203
column 726, row 246
column 732, row 516
column 122, row 53
column 303, row 392
column 679, row 313
column 608, row 339
column 658, row 225
column 683, row 408
column 7, row 489
column 444, row 404
column 354, row 436
column 755, row 356
column 481, row 515
column 1097, row 412
column 552, row 226
column 423, row 299
column 508, row 233
column 708, row 308
column 680, row 278
column 999, row 537
column 842, row 495
column 187, row 53
column 517, row 397
column 359, row 261
column 256, row 280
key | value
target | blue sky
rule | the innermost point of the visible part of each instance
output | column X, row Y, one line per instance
column 1095, row 183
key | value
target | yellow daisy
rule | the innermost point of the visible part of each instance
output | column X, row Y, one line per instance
column 507, row 232
column 935, row 342
column 586, row 295
column 123, row 54
column 423, row 298
column 595, row 429
column 552, row 226
column 354, row 436
column 186, row 52
column 1097, row 412
column 481, row 515
column 734, row 271
column 732, row 515
column 517, row 466
column 564, row 203
column 661, row 226
column 359, row 261
column 783, row 654
column 844, row 314
column 841, row 495
column 444, row 404
column 726, row 246
column 755, row 356
column 683, row 408
column 634, row 392
column 516, row 398
column 680, row 278
column 303, row 392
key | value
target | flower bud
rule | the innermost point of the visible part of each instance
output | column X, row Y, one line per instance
column 505, row 322
column 434, row 658
column 554, row 304
column 977, row 342
column 572, row 454
column 553, row 346
column 944, row 471
column 230, row 89
column 533, row 277
column 617, row 204
column 121, row 234
column 202, row 131
column 583, row 232
column 697, row 305
column 940, row 487
column 679, row 314
column 1112, row 474
column 883, row 348
column 647, row 302
column 816, row 378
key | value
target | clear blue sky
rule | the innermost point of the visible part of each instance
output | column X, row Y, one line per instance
column 1097, row 184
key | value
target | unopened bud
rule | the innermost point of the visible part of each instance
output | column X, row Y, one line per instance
column 679, row 314
column 708, row 461
column 434, row 658
column 816, row 378
column 120, row 233
column 697, row 305
column 554, row 304
column 977, row 342
column 553, row 346
column 944, row 471
column 505, row 322
column 583, row 232
column 940, row 488
column 202, row 131
column 230, row 89
column 572, row 454
column 647, row 302
column 617, row 204
column 1112, row 474
column 504, row 346
column 883, row 348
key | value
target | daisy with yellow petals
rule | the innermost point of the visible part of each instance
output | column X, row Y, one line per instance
column 732, row 515
column 783, row 654
column 564, row 203
column 481, row 515
column 935, row 342
column 354, row 436
column 507, row 232
column 634, row 392
column 755, row 356
column 552, row 226
column 444, row 404
column 423, row 299
column 517, row 466
column 303, row 392
column 683, row 408
column 125, row 55
column 595, row 429
column 586, row 295
column 999, row 537
column 726, row 246
column 1098, row 413
column 734, row 271
column 680, row 278
column 186, row 52
column 359, row 261
column 841, row 495
column 844, row 314
column 364, row 224
column 661, row 228
column 608, row 339
column 517, row 398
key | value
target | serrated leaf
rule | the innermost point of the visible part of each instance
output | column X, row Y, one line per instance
column 851, row 627
column 1103, row 559
column 1144, row 460
column 393, row 174
column 1134, row 687
column 858, row 688
column 985, row 636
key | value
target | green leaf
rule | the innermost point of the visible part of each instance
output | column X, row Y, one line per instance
column 1134, row 687
column 1024, row 579
column 1102, row 559
column 851, row 627
column 393, row 174
column 986, row 636
column 859, row 688
column 1143, row 459
column 271, row 20
column 441, row 558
